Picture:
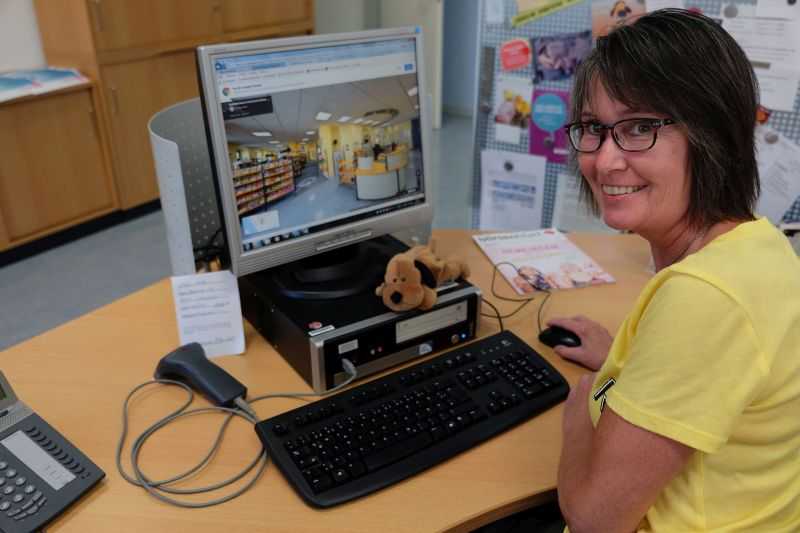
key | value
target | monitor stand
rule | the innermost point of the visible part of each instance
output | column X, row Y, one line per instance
column 340, row 273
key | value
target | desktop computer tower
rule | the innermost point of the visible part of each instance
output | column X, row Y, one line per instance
column 314, row 334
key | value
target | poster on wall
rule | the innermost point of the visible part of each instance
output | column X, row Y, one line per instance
column 556, row 57
column 512, row 108
column 550, row 112
column 515, row 54
column 608, row 14
column 530, row 10
column 512, row 187
column 572, row 214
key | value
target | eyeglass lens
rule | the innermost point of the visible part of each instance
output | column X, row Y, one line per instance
column 631, row 135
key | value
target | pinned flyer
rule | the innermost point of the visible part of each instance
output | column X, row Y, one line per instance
column 209, row 312
column 530, row 10
column 608, row 14
column 515, row 54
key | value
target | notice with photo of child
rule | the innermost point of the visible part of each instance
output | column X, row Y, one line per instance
column 556, row 57
column 541, row 260
column 512, row 108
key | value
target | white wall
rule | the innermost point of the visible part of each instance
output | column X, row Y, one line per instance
column 460, row 56
column 334, row 16
column 20, row 46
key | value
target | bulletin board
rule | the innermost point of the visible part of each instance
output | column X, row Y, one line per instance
column 573, row 19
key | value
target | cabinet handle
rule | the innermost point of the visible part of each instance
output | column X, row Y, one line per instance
column 114, row 100
column 98, row 15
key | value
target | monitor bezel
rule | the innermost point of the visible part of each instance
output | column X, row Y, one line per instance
column 243, row 263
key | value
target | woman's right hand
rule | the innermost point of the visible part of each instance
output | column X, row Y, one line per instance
column 595, row 341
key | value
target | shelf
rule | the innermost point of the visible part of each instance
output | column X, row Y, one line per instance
column 278, row 177
column 283, row 192
column 281, row 183
column 243, row 183
column 257, row 194
column 251, row 206
column 242, row 172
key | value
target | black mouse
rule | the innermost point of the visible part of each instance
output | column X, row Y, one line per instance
column 555, row 335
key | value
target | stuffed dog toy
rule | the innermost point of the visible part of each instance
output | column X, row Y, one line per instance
column 412, row 277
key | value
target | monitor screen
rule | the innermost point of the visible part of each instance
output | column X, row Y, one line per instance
column 317, row 141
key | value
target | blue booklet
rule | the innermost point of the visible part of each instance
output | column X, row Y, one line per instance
column 37, row 81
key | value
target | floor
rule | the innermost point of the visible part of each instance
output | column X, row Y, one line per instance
column 63, row 283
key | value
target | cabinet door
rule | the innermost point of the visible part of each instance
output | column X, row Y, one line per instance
column 51, row 165
column 245, row 14
column 138, row 23
column 135, row 91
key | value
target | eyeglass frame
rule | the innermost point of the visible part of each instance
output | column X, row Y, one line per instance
column 657, row 123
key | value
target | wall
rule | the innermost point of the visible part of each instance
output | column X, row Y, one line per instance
column 334, row 16
column 460, row 56
column 20, row 46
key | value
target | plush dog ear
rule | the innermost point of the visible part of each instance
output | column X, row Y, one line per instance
column 428, row 279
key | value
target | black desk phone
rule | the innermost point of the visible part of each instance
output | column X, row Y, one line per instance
column 41, row 472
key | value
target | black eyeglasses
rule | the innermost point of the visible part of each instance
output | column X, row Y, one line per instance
column 631, row 134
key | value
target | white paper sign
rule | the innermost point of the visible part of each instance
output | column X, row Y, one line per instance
column 569, row 214
column 778, row 161
column 653, row 5
column 779, row 9
column 208, row 311
column 778, row 87
column 512, row 190
column 771, row 42
column 494, row 12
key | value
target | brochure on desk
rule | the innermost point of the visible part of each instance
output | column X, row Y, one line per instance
column 541, row 260
column 38, row 81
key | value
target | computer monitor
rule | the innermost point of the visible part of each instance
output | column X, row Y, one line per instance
column 317, row 142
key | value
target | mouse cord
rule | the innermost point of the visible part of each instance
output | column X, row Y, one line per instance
column 523, row 301
column 159, row 488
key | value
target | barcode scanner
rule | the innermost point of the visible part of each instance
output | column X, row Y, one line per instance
column 190, row 365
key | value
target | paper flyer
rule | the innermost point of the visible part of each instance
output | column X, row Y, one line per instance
column 208, row 311
column 549, row 116
column 570, row 214
column 530, row 10
column 541, row 260
column 512, row 187
column 778, row 161
column 515, row 54
column 512, row 108
column 608, row 14
column 556, row 57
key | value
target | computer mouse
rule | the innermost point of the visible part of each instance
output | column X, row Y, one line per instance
column 556, row 335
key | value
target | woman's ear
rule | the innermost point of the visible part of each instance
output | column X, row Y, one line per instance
column 428, row 279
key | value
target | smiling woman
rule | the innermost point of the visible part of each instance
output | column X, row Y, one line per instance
column 702, row 383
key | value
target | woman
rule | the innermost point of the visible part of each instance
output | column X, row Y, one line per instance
column 692, row 419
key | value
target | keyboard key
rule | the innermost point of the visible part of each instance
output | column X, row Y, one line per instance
column 398, row 451
column 383, row 431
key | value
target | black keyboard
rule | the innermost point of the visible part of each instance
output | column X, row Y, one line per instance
column 366, row 438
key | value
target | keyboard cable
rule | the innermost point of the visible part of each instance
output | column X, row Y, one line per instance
column 160, row 488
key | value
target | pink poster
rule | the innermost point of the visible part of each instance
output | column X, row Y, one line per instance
column 550, row 112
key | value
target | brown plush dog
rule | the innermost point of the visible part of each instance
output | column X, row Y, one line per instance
column 412, row 277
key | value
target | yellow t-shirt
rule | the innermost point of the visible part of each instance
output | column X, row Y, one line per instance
column 710, row 357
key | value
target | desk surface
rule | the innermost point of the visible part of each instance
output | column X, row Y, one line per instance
column 77, row 376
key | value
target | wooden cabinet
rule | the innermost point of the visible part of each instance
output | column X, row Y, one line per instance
column 52, row 169
column 247, row 14
column 135, row 91
column 142, row 55
column 119, row 24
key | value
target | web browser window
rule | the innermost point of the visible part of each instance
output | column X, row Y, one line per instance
column 320, row 137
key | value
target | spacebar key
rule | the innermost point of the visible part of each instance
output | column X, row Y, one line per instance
column 398, row 451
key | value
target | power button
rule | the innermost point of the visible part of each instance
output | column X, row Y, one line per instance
column 454, row 339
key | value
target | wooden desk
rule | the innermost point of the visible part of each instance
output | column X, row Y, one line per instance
column 77, row 376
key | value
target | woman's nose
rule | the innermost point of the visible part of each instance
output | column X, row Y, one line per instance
column 609, row 157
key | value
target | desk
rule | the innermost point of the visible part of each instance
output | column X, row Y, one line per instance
column 77, row 375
